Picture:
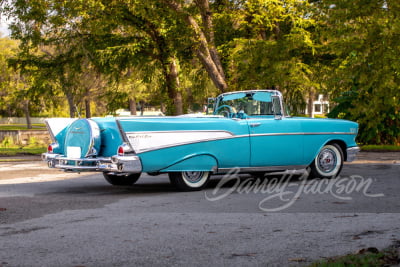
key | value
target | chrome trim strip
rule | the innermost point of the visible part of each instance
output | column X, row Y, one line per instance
column 182, row 131
column 265, row 168
column 303, row 133
column 53, row 138
column 121, row 131
column 94, row 133
column 124, row 135
column 329, row 133
column 275, row 92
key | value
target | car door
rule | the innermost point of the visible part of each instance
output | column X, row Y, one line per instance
column 275, row 142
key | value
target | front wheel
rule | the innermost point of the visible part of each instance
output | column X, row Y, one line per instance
column 124, row 179
column 189, row 181
column 328, row 163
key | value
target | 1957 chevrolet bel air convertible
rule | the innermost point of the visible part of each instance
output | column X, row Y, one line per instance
column 248, row 130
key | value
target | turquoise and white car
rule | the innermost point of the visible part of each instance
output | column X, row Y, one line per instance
column 248, row 130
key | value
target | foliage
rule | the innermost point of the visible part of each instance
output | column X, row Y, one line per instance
column 175, row 53
column 7, row 142
column 365, row 257
column 366, row 70
column 14, row 94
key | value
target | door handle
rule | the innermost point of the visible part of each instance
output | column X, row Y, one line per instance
column 255, row 124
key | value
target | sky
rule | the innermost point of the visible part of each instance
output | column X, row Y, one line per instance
column 4, row 28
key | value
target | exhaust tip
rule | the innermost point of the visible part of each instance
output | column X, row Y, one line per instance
column 50, row 164
column 120, row 167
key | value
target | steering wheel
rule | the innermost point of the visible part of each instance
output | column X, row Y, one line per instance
column 224, row 112
column 241, row 115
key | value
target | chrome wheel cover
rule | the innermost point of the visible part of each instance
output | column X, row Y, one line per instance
column 328, row 161
column 195, row 179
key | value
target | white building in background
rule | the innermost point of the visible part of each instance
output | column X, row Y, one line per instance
column 320, row 106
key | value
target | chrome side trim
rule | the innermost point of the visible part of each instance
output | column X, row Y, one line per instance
column 352, row 153
column 53, row 138
column 124, row 135
column 121, row 131
column 94, row 134
column 182, row 131
column 264, row 168
column 303, row 133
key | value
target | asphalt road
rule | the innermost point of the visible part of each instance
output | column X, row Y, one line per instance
column 49, row 218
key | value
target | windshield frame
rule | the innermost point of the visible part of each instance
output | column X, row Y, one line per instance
column 273, row 94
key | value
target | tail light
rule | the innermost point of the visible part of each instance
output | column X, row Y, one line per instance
column 124, row 149
column 121, row 151
column 51, row 148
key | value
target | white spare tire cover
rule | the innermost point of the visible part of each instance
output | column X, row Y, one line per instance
column 82, row 139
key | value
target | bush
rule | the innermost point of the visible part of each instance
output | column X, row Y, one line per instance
column 8, row 142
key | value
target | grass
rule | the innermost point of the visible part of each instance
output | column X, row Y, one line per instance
column 16, row 151
column 370, row 257
column 380, row 148
column 11, row 127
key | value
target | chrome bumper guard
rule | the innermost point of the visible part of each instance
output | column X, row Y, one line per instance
column 352, row 153
column 117, row 164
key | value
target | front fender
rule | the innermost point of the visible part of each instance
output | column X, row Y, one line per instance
column 203, row 162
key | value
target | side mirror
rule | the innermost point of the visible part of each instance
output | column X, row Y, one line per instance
column 277, row 107
column 210, row 105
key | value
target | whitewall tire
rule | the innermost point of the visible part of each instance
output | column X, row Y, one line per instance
column 328, row 163
column 189, row 181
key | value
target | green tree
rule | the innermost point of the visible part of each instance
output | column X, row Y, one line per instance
column 114, row 35
column 16, row 98
column 198, row 17
column 363, row 37
column 273, row 47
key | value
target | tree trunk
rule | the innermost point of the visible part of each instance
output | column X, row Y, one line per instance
column 173, row 87
column 27, row 115
column 163, row 108
column 204, row 41
column 310, row 104
column 87, row 108
column 71, row 105
column 141, row 107
column 166, row 57
column 132, row 106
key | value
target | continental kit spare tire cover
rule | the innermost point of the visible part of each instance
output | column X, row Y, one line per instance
column 82, row 139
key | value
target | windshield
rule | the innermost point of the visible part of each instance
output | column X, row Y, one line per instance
column 245, row 104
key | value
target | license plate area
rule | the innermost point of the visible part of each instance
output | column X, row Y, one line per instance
column 74, row 152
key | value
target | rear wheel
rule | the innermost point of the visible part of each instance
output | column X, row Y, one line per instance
column 189, row 181
column 328, row 163
column 124, row 179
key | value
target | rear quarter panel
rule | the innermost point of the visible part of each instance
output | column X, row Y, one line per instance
column 110, row 136
column 227, row 152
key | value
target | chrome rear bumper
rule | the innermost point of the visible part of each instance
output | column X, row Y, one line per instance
column 118, row 164
column 352, row 153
